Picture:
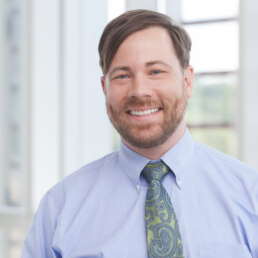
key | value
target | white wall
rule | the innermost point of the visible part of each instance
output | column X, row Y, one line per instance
column 69, row 123
column 87, row 131
column 248, row 108
column 2, row 96
column 141, row 4
column 45, row 96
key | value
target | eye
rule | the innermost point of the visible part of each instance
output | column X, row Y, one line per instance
column 156, row 72
column 122, row 76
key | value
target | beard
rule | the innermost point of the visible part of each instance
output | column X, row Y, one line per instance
column 152, row 134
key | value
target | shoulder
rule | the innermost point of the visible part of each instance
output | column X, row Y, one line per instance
column 66, row 197
column 229, row 176
column 210, row 156
column 89, row 170
column 81, row 180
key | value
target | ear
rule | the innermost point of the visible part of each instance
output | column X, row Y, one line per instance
column 103, row 84
column 188, row 79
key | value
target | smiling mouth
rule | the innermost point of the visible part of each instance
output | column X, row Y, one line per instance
column 143, row 112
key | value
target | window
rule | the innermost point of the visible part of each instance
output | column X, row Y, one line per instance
column 13, row 110
column 212, row 113
column 47, row 49
column 216, row 82
column 13, row 126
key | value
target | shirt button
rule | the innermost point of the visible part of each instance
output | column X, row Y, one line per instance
column 179, row 183
column 138, row 187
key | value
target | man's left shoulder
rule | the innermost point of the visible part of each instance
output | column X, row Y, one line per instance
column 235, row 180
column 225, row 163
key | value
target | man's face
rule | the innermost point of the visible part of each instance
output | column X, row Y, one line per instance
column 146, row 89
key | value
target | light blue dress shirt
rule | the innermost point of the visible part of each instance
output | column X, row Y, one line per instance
column 98, row 211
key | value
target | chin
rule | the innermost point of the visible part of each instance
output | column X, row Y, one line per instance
column 146, row 142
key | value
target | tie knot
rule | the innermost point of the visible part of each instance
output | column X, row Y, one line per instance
column 155, row 171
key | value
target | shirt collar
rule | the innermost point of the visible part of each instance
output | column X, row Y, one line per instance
column 179, row 156
column 176, row 158
column 132, row 163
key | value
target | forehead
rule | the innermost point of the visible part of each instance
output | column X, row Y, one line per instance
column 153, row 43
column 154, row 34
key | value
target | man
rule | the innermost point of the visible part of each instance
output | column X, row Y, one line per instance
column 161, row 194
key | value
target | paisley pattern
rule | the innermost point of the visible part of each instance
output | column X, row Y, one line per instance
column 163, row 236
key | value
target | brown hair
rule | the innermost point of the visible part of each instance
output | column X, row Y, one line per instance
column 129, row 22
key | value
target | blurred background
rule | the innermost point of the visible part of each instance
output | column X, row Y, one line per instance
column 52, row 111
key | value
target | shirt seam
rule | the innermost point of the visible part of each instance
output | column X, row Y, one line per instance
column 222, row 156
column 54, row 200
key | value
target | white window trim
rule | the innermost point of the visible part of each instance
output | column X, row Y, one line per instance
column 248, row 125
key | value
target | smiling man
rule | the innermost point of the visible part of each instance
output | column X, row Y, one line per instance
column 146, row 92
column 161, row 194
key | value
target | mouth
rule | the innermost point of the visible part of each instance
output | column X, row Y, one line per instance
column 143, row 112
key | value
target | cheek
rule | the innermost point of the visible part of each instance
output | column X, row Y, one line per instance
column 114, row 97
column 169, row 92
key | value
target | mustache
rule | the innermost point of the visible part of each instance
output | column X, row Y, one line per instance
column 139, row 103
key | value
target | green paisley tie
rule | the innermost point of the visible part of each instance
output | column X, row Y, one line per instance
column 163, row 237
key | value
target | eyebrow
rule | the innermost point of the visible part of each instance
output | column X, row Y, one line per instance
column 126, row 68
column 119, row 68
column 157, row 62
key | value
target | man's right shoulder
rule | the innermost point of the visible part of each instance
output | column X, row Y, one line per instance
column 82, row 179
column 93, row 166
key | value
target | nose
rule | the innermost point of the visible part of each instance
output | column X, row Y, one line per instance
column 140, row 87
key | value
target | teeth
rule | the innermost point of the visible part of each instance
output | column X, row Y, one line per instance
column 144, row 112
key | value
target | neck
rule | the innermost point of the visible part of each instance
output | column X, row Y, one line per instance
column 158, row 151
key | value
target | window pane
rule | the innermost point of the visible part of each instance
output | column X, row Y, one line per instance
column 215, row 46
column 214, row 100
column 11, row 241
column 161, row 6
column 13, row 107
column 223, row 139
column 209, row 9
column 115, row 8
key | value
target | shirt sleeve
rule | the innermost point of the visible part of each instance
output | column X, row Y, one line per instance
column 254, row 222
column 42, row 230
